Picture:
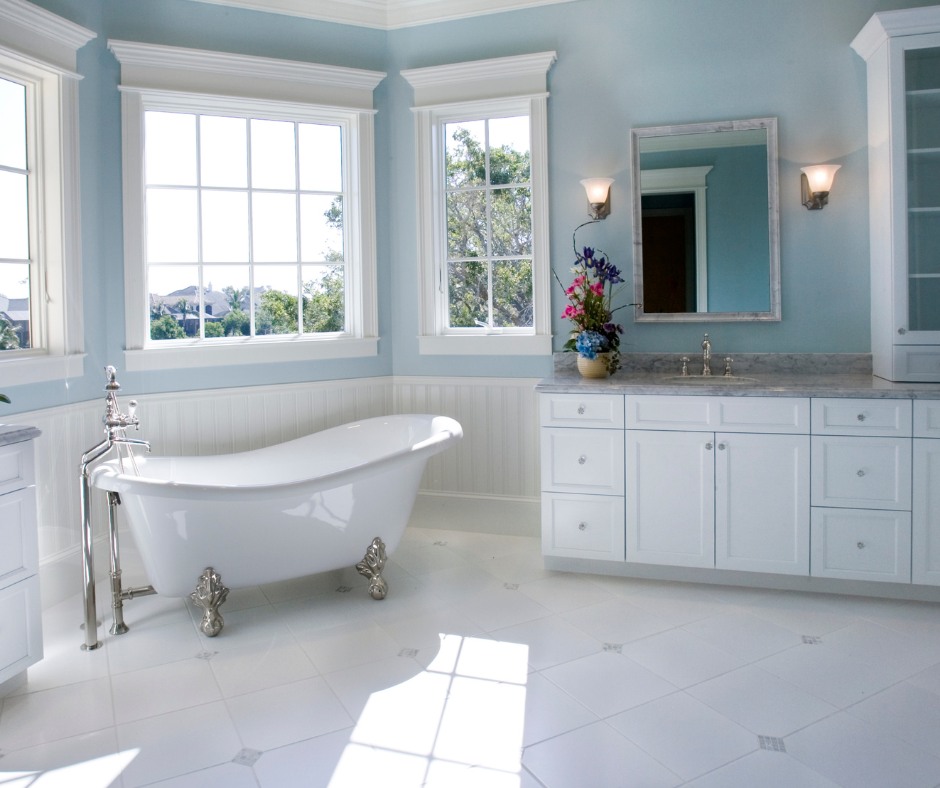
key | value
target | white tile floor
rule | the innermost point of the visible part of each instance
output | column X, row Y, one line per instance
column 483, row 670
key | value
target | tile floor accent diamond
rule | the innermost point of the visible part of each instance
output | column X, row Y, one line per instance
column 617, row 648
column 408, row 652
column 441, row 544
column 774, row 743
column 247, row 757
column 812, row 640
column 206, row 655
column 344, row 589
column 511, row 586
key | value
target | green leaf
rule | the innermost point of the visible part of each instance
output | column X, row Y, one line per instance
column 4, row 398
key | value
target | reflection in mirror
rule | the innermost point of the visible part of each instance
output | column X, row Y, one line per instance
column 706, row 234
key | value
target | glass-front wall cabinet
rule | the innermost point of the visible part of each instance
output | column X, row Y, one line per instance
column 922, row 98
column 902, row 50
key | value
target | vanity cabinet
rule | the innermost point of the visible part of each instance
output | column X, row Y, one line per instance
column 20, row 610
column 902, row 51
column 823, row 487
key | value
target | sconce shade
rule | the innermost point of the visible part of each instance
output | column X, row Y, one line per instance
column 820, row 176
column 597, row 189
column 598, row 194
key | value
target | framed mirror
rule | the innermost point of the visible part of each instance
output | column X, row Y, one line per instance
column 706, row 222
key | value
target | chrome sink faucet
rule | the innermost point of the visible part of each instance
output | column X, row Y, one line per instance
column 706, row 357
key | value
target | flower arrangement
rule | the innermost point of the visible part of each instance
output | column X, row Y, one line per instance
column 589, row 307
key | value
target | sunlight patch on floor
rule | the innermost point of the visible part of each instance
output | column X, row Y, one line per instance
column 458, row 724
column 96, row 773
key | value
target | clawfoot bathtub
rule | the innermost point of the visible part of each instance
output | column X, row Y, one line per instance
column 310, row 505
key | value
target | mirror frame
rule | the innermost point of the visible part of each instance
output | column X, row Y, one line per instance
column 773, row 206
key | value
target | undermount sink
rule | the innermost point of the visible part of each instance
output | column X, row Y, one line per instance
column 712, row 380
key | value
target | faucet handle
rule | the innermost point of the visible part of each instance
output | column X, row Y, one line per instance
column 728, row 372
column 685, row 366
column 131, row 410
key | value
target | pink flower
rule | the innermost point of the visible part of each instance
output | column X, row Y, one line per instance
column 598, row 288
column 570, row 290
column 579, row 280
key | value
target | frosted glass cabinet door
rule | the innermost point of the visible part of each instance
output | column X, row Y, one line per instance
column 925, row 567
column 670, row 497
column 762, row 503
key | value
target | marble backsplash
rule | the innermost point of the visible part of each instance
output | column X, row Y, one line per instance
column 744, row 363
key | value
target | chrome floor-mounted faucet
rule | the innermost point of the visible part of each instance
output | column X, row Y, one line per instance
column 115, row 426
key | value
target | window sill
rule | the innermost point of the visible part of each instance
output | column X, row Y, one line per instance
column 38, row 369
column 238, row 353
column 485, row 345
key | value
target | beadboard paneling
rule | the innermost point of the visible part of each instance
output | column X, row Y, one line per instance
column 498, row 457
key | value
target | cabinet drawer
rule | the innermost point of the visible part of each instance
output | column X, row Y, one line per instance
column 584, row 461
column 16, row 466
column 917, row 363
column 709, row 414
column 19, row 544
column 926, row 418
column 582, row 526
column 20, row 627
column 871, row 417
column 581, row 410
column 862, row 473
column 861, row 545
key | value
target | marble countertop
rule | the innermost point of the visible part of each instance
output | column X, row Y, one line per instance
column 15, row 433
column 768, row 385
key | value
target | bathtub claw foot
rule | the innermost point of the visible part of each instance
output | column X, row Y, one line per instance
column 209, row 595
column 371, row 566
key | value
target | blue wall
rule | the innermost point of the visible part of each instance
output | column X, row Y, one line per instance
column 738, row 251
column 620, row 65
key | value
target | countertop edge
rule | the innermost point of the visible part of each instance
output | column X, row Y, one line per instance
column 16, row 433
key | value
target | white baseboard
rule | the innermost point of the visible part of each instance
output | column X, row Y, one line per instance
column 519, row 516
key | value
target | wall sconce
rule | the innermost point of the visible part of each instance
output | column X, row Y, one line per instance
column 816, row 181
column 598, row 194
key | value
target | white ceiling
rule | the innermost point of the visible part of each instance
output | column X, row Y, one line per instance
column 384, row 14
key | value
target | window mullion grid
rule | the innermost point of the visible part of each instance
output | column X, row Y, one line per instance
column 34, row 220
column 251, row 240
column 300, row 299
column 200, row 304
column 489, row 224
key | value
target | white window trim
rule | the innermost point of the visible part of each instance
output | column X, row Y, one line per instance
column 187, row 80
column 39, row 48
column 686, row 180
column 485, row 88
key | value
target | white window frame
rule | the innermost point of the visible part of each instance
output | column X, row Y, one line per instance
column 38, row 49
column 173, row 79
column 502, row 87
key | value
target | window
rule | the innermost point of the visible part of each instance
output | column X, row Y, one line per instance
column 40, row 249
column 482, row 206
column 238, row 206
column 249, row 222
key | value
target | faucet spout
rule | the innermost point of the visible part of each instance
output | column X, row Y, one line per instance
column 706, row 357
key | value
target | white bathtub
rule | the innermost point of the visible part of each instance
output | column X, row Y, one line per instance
column 305, row 506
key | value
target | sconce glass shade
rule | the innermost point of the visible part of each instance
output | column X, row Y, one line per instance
column 597, row 189
column 820, row 176
column 598, row 194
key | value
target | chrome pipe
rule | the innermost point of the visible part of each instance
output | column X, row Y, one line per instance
column 88, row 567
column 133, row 593
column 117, row 603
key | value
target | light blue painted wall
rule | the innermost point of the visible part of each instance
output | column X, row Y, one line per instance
column 621, row 64
column 738, row 251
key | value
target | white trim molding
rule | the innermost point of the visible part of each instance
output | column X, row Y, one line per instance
column 501, row 87
column 181, row 70
column 173, row 79
column 384, row 14
column 888, row 24
column 41, row 35
column 38, row 49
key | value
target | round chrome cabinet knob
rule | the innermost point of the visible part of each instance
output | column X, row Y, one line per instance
column 721, row 446
column 582, row 459
column 902, row 331
column 860, row 545
column 861, row 473
column 580, row 410
column 861, row 417
column 708, row 446
column 582, row 526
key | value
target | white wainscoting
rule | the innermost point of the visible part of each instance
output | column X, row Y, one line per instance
column 498, row 459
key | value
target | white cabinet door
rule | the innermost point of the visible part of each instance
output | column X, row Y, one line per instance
column 670, row 498
column 20, row 627
column 19, row 548
column 926, row 512
column 762, row 503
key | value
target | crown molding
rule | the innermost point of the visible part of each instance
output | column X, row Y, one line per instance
column 889, row 24
column 131, row 53
column 45, row 23
column 454, row 73
column 384, row 14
